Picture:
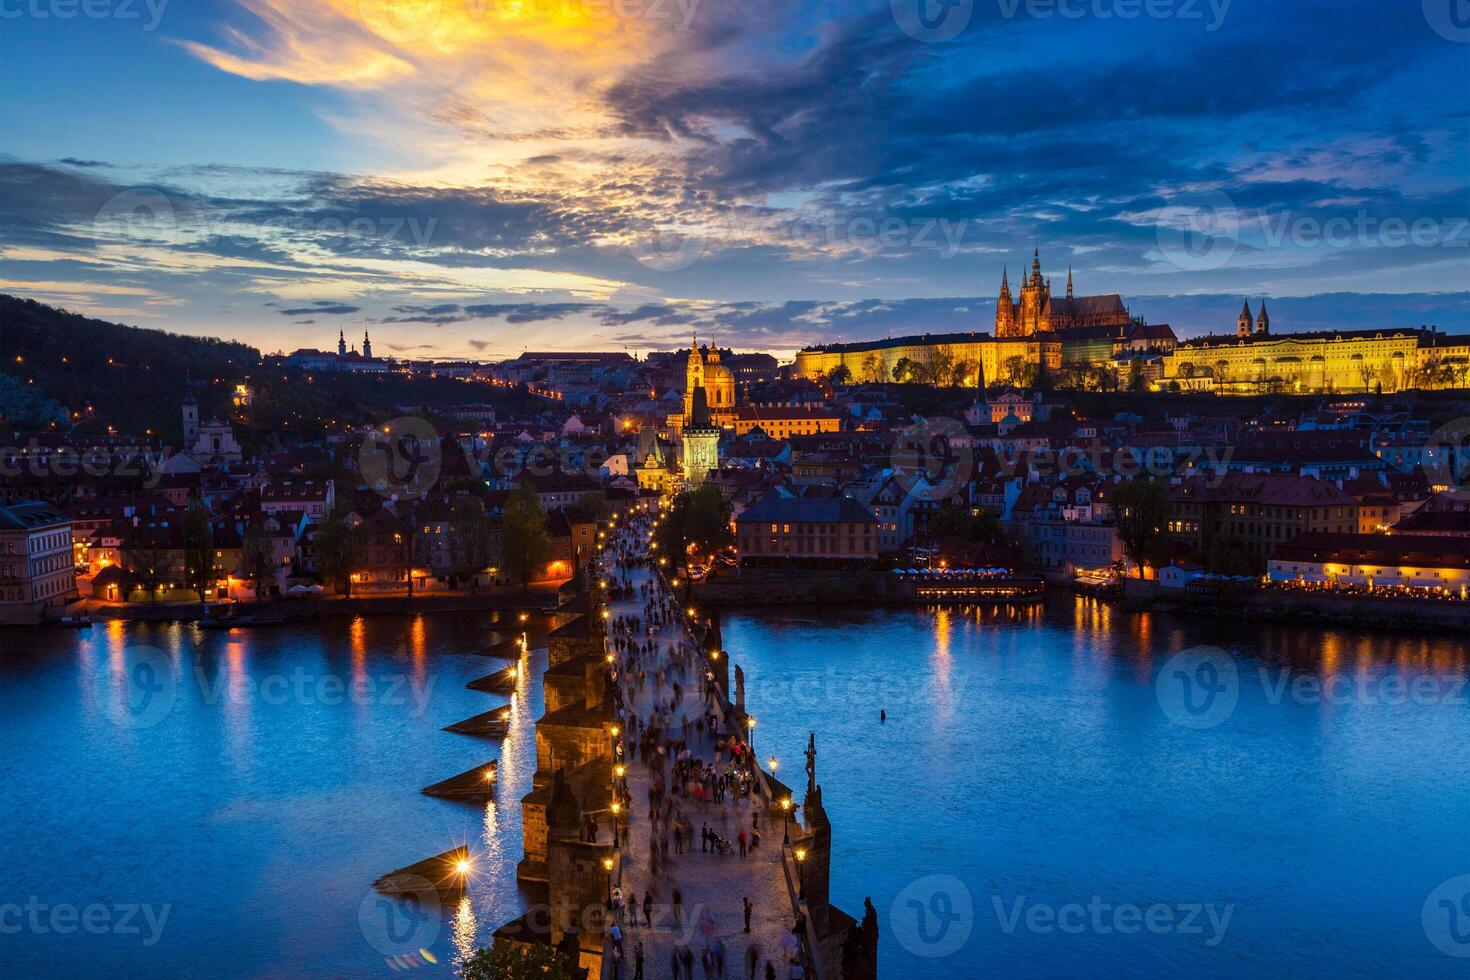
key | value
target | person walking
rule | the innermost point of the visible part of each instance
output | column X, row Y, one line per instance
column 748, row 909
column 678, row 908
column 648, row 909
column 638, row 960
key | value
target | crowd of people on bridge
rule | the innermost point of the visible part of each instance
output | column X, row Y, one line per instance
column 671, row 720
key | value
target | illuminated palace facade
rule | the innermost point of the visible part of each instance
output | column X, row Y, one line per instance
column 1254, row 360
column 1030, row 329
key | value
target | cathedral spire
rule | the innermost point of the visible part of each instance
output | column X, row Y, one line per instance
column 1005, row 285
column 1069, row 282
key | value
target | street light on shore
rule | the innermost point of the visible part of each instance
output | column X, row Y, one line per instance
column 786, row 821
column 800, row 873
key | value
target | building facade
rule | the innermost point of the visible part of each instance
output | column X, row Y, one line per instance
column 776, row 526
column 37, row 565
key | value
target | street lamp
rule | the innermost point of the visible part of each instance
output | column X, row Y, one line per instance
column 800, row 874
column 786, row 821
column 607, row 865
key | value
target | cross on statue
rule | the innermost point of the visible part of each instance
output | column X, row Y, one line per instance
column 811, row 762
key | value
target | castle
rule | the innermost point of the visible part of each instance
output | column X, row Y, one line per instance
column 1036, row 311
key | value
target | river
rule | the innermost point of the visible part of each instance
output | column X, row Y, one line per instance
column 1038, row 803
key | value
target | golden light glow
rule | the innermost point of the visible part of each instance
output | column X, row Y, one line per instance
column 462, row 866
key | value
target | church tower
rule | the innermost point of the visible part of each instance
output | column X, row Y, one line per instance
column 341, row 344
column 693, row 377
column 1069, row 282
column 1263, row 322
column 367, row 345
column 701, row 442
column 1243, row 325
column 1005, row 310
column 191, row 421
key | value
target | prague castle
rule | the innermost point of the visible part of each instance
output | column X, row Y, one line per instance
column 1255, row 361
column 1037, row 312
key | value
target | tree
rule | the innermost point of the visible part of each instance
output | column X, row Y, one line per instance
column 256, row 558
column 471, row 540
column 840, row 375
column 507, row 961
column 196, row 531
column 1015, row 368
column 143, row 553
column 698, row 521
column 903, row 370
column 525, row 544
column 941, row 366
column 594, row 504
column 982, row 526
column 873, row 368
column 1141, row 510
column 336, row 548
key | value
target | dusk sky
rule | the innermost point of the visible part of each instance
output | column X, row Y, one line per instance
column 479, row 177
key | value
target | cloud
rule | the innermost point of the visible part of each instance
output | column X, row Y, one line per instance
column 322, row 306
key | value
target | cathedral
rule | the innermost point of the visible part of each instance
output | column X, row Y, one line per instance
column 705, row 371
column 1036, row 311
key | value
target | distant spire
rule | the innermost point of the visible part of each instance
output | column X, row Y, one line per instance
column 1245, row 309
column 1069, row 282
column 1263, row 322
column 1005, row 285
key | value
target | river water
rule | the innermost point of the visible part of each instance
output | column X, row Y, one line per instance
column 1052, row 794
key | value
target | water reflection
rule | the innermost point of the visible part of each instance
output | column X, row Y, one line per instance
column 1030, row 755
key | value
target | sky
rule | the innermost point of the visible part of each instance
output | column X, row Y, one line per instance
column 474, row 178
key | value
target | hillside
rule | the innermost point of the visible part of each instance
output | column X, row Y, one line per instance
column 61, row 370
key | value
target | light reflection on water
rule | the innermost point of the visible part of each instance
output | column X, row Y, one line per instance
column 1029, row 756
column 281, row 780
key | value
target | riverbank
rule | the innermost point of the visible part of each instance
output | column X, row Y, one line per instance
column 1321, row 609
column 537, row 599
